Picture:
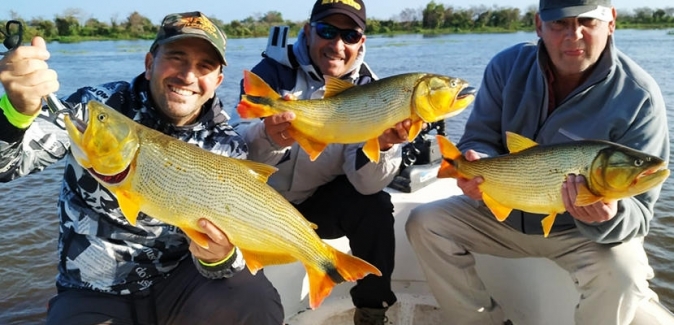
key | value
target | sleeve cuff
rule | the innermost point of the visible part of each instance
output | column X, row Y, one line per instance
column 15, row 118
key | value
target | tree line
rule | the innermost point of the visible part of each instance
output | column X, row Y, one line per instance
column 434, row 18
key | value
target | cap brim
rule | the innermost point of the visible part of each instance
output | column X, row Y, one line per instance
column 334, row 11
column 182, row 36
column 596, row 12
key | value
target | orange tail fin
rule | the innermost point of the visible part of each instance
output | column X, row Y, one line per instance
column 348, row 267
column 254, row 86
column 449, row 153
column 248, row 109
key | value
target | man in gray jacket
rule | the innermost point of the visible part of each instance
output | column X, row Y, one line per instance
column 573, row 84
column 342, row 191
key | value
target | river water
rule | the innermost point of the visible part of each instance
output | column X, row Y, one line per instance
column 28, row 206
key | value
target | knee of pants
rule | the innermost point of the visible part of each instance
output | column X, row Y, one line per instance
column 377, row 206
column 615, row 274
column 419, row 222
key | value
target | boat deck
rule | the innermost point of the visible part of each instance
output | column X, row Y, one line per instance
column 531, row 291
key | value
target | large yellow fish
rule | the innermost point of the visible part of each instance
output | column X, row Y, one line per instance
column 179, row 183
column 354, row 114
column 530, row 177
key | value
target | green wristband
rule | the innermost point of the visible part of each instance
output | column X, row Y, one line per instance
column 214, row 264
column 17, row 119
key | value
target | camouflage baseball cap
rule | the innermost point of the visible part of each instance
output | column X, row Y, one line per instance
column 191, row 24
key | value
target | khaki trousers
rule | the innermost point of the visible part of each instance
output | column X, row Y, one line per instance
column 612, row 279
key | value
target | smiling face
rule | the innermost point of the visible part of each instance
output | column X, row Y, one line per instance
column 574, row 44
column 183, row 75
column 333, row 57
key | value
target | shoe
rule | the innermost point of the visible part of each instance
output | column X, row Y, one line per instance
column 370, row 316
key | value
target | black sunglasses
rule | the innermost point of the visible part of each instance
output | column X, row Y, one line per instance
column 327, row 31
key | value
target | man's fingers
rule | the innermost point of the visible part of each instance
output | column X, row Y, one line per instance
column 282, row 118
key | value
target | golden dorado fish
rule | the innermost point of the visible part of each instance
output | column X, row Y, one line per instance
column 178, row 183
column 355, row 114
column 530, row 178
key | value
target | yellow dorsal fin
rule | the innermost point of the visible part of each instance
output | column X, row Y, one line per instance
column 334, row 86
column 501, row 212
column 585, row 197
column 259, row 170
column 547, row 223
column 255, row 86
column 517, row 143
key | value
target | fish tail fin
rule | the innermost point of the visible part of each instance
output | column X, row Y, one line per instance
column 320, row 286
column 449, row 153
column 249, row 109
column 254, row 86
column 345, row 268
column 352, row 268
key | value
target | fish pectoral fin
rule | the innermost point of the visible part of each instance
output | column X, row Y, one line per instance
column 517, row 143
column 129, row 204
column 547, row 223
column 585, row 197
column 334, row 86
column 312, row 147
column 501, row 212
column 198, row 237
column 256, row 260
column 415, row 129
column 261, row 171
column 371, row 149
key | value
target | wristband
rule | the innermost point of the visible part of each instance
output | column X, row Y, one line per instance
column 15, row 118
column 214, row 264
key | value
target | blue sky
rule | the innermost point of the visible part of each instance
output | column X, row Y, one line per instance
column 228, row 10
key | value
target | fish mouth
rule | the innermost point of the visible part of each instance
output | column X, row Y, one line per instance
column 464, row 98
column 111, row 179
column 79, row 125
column 466, row 92
column 655, row 173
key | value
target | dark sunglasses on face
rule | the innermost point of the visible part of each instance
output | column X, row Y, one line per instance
column 329, row 32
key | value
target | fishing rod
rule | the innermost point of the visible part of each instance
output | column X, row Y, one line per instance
column 13, row 41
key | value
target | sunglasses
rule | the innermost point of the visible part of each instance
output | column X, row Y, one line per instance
column 329, row 32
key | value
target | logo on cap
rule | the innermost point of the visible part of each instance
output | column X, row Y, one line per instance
column 351, row 3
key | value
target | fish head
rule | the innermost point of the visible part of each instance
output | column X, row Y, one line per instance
column 437, row 97
column 618, row 172
column 106, row 144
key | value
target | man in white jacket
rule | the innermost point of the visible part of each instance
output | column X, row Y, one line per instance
column 342, row 191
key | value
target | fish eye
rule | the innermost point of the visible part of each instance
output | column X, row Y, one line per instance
column 101, row 117
column 638, row 162
column 453, row 83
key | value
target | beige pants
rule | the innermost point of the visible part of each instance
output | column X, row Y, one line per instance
column 612, row 279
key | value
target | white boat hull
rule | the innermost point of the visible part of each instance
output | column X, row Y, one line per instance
column 531, row 291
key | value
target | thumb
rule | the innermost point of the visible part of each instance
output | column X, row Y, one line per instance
column 39, row 42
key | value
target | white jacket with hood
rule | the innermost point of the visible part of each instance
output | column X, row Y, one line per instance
column 288, row 69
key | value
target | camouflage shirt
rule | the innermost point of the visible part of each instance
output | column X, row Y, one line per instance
column 98, row 249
